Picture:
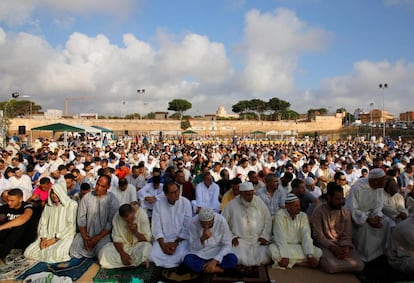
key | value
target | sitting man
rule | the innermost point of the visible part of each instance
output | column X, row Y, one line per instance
column 371, row 229
column 308, row 201
column 251, row 224
column 131, row 237
column 332, row 232
column 150, row 194
column 292, row 237
column 95, row 214
column 125, row 193
column 171, row 218
column 401, row 248
column 57, row 227
column 17, row 228
column 207, row 194
column 210, row 244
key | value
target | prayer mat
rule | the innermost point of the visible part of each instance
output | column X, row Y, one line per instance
column 15, row 264
column 149, row 275
column 73, row 268
column 247, row 274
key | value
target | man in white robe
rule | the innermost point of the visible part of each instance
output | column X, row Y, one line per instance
column 251, row 225
column 371, row 228
column 394, row 203
column 210, row 244
column 171, row 218
column 401, row 247
column 207, row 194
column 131, row 237
column 56, row 229
column 125, row 193
column 293, row 243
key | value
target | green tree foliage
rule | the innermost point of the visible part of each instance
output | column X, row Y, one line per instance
column 240, row 107
column 14, row 108
column 316, row 112
column 185, row 124
column 179, row 106
column 133, row 116
column 290, row 115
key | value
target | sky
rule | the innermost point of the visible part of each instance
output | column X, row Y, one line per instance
column 311, row 53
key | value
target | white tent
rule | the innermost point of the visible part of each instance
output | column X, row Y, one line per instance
column 273, row 133
column 89, row 129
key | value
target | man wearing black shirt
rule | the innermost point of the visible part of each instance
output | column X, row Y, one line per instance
column 17, row 231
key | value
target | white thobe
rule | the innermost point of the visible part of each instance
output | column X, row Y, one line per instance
column 126, row 196
column 56, row 221
column 149, row 191
column 292, row 239
column 394, row 205
column 208, row 196
column 170, row 221
column 401, row 248
column 248, row 223
column 139, row 251
column 364, row 202
column 217, row 246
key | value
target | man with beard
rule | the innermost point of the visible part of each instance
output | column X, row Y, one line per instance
column 372, row 228
column 332, row 232
column 251, row 224
column 292, row 237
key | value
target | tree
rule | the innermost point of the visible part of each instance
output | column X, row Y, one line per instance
column 13, row 108
column 259, row 106
column 316, row 112
column 179, row 106
column 241, row 107
column 185, row 124
column 278, row 106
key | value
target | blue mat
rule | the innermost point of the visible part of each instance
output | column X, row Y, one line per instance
column 73, row 268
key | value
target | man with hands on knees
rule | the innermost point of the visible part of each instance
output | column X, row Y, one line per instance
column 292, row 237
column 210, row 244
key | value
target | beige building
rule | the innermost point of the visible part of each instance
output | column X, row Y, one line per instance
column 376, row 116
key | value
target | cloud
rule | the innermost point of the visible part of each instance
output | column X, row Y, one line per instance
column 273, row 44
column 18, row 13
column 91, row 67
column 409, row 3
column 361, row 87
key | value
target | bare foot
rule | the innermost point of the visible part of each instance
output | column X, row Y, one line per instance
column 147, row 264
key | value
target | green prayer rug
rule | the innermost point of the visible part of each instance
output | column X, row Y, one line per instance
column 122, row 275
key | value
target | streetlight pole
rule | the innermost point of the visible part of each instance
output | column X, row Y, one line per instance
column 141, row 92
column 383, row 87
column 370, row 115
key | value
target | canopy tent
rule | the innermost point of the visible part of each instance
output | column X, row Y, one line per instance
column 89, row 129
column 273, row 133
column 189, row 132
column 103, row 130
column 58, row 127
column 258, row 133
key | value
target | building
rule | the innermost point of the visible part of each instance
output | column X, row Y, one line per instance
column 376, row 116
column 222, row 113
column 161, row 115
column 407, row 116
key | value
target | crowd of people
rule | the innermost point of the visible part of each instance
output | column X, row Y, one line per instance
column 211, row 207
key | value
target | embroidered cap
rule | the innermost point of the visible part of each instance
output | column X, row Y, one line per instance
column 206, row 214
column 291, row 198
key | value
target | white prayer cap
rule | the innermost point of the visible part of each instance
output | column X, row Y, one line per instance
column 411, row 183
column 206, row 214
column 309, row 181
column 54, row 167
column 376, row 173
column 246, row 186
column 291, row 197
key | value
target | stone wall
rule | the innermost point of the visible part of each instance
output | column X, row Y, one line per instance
column 203, row 127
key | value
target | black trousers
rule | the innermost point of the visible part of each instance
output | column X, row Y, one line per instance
column 16, row 238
